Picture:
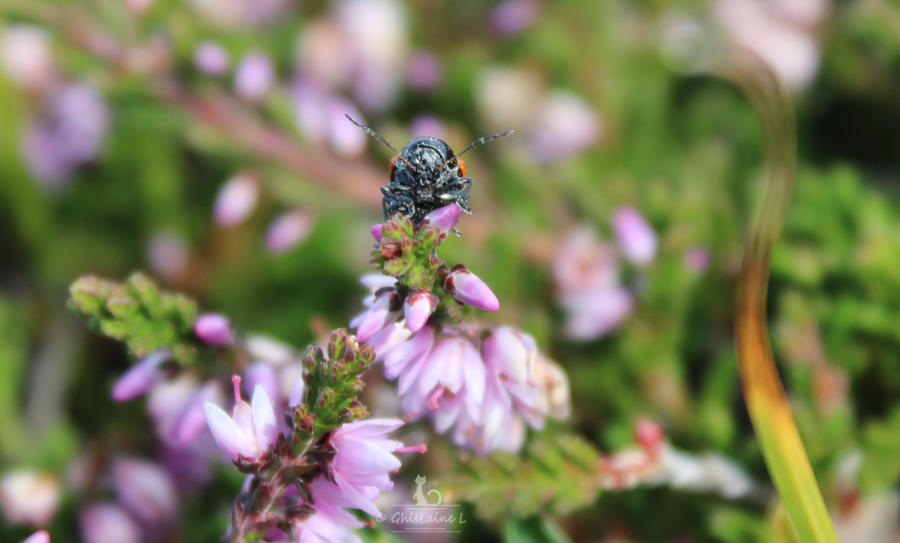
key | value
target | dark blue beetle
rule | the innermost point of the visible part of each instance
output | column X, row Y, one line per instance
column 425, row 175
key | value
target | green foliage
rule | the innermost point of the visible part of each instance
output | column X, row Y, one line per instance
column 332, row 384
column 138, row 313
column 881, row 451
column 555, row 475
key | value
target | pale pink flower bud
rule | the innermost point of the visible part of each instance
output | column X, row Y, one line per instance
column 443, row 218
column 287, row 230
column 417, row 307
column 254, row 76
column 213, row 329
column 510, row 353
column 28, row 497
column 236, row 199
column 141, row 376
column 468, row 288
column 145, row 489
column 211, row 58
column 382, row 312
column 252, row 428
column 636, row 238
column 105, row 522
column 377, row 230
column 296, row 396
column 40, row 536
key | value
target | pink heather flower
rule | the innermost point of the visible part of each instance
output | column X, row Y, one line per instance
column 417, row 307
column 145, row 489
column 105, row 522
column 40, row 536
column 696, row 259
column 511, row 353
column 444, row 218
column 250, row 431
column 28, row 497
column 423, row 71
column 563, row 125
column 596, row 313
column 320, row 117
column 262, row 374
column 211, row 58
column 388, row 338
column 452, row 369
column 287, row 230
column 213, row 329
column 236, row 199
column 383, row 311
column 296, row 396
column 363, row 460
column 377, row 230
column 191, row 420
column 254, row 76
column 26, row 56
column 331, row 523
column 69, row 133
column 427, row 125
column 141, row 376
column 167, row 254
column 468, row 288
column 582, row 263
column 404, row 360
column 513, row 16
column 636, row 238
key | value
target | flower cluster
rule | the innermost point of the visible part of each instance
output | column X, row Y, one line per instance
column 303, row 474
column 587, row 274
column 482, row 385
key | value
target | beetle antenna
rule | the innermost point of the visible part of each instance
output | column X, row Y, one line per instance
column 378, row 137
column 478, row 142
column 483, row 140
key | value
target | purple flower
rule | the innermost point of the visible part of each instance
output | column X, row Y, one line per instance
column 254, row 76
column 417, row 307
column 468, row 288
column 145, row 489
column 250, row 431
column 287, row 230
column 320, row 117
column 69, row 133
column 563, row 125
column 426, row 125
column 236, row 199
column 40, row 536
column 514, row 16
column 636, row 239
column 191, row 420
column 141, row 376
column 511, row 353
column 330, row 523
column 596, row 313
column 444, row 218
column 423, row 71
column 388, row 338
column 697, row 259
column 213, row 329
column 105, row 522
column 28, row 497
column 376, row 231
column 211, row 58
column 363, row 460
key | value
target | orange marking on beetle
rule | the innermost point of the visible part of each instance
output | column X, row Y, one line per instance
column 393, row 165
column 462, row 166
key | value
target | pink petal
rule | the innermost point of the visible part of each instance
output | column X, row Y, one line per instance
column 230, row 437
column 264, row 423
